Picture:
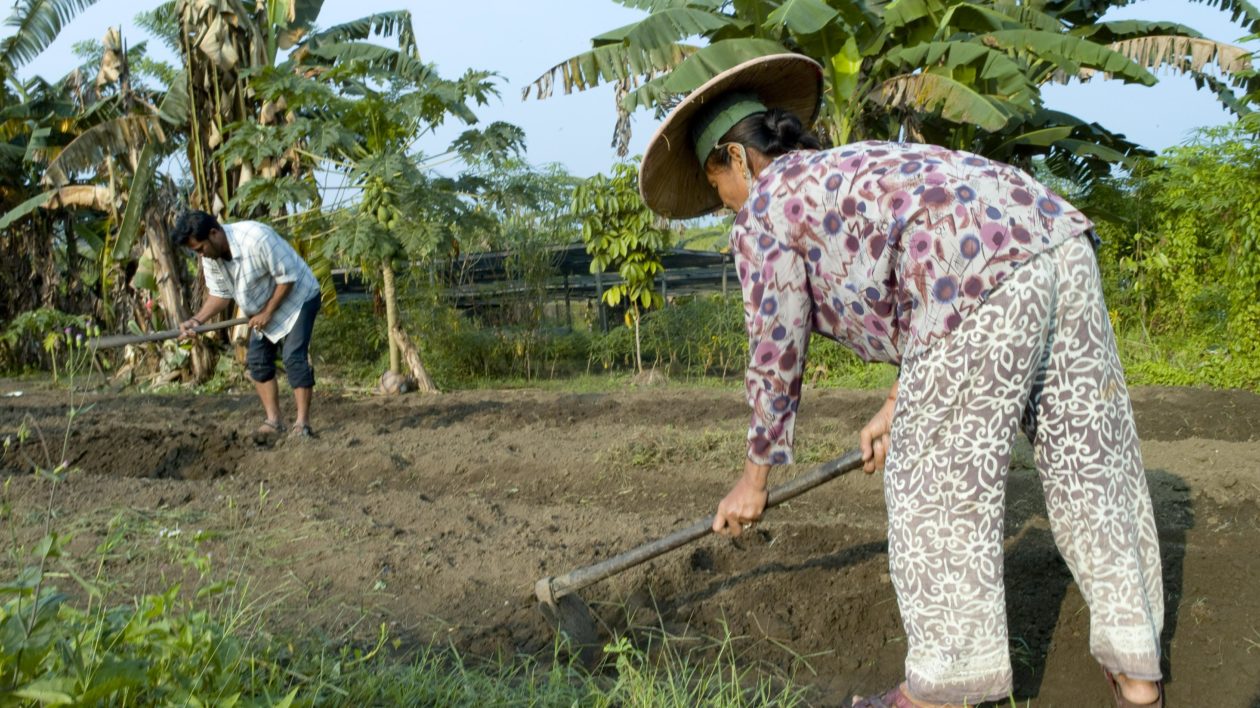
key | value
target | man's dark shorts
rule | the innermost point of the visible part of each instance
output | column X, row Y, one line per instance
column 261, row 359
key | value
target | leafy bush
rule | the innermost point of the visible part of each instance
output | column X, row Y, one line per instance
column 1181, row 262
column 37, row 335
column 698, row 336
column 695, row 337
column 705, row 336
column 351, row 340
column 157, row 651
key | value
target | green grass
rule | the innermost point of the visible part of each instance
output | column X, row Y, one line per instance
column 209, row 644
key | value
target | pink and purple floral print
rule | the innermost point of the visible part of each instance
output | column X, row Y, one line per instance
column 884, row 247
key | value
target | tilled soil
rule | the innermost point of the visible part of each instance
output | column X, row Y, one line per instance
column 435, row 515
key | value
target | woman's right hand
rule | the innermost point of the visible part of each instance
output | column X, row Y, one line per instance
column 745, row 503
column 876, row 435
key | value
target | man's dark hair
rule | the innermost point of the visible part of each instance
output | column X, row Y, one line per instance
column 193, row 224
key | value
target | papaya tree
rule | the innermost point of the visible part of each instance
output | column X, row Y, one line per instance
column 621, row 234
column 360, row 111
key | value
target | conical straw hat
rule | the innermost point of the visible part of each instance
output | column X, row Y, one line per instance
column 671, row 179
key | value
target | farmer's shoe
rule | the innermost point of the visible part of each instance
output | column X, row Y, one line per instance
column 268, row 431
column 1122, row 702
column 301, row 432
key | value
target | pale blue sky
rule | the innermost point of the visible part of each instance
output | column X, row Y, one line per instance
column 520, row 39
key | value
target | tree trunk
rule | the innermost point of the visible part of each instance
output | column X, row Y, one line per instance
column 171, row 292
column 423, row 382
column 72, row 257
column 391, row 314
column 638, row 346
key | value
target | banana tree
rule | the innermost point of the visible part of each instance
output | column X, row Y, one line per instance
column 962, row 74
column 31, row 111
column 116, row 137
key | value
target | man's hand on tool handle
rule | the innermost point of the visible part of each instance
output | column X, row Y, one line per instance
column 186, row 328
column 260, row 320
column 745, row 503
column 875, row 436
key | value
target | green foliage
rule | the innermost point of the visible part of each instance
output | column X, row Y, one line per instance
column 1181, row 255
column 621, row 234
column 459, row 350
column 48, row 330
column 351, row 341
column 160, row 650
column 676, row 681
column 704, row 336
column 695, row 337
column 701, row 336
column 168, row 649
column 35, row 25
column 951, row 72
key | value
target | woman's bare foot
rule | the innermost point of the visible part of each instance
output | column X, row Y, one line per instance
column 905, row 694
column 1136, row 690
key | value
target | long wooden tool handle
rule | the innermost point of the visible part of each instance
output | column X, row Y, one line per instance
column 580, row 578
column 120, row 340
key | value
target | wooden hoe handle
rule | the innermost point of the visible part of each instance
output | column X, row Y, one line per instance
column 549, row 590
column 122, row 340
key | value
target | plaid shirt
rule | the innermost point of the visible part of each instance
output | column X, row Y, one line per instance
column 261, row 259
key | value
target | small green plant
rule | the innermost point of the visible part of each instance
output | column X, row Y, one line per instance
column 622, row 234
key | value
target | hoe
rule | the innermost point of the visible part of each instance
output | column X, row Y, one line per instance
column 122, row 340
column 570, row 615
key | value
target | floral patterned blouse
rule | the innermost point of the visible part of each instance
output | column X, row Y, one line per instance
column 883, row 247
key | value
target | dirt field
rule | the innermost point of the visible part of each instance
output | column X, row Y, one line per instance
column 435, row 515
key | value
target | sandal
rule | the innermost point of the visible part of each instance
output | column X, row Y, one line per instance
column 302, row 431
column 1122, row 702
column 269, row 428
column 892, row 698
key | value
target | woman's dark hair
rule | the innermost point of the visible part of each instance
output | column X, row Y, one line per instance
column 773, row 132
column 193, row 224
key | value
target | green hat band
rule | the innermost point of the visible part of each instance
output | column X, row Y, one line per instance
column 719, row 117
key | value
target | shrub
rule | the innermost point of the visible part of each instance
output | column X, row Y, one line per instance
column 1181, row 262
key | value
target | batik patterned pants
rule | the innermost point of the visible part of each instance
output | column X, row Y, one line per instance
column 1039, row 354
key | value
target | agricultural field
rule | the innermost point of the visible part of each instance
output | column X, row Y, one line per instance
column 430, row 517
column 525, row 369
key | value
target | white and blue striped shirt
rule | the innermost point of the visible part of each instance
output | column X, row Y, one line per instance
column 261, row 259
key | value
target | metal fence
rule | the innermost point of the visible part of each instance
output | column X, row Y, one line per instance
column 477, row 281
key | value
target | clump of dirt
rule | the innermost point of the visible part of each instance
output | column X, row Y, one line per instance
column 436, row 514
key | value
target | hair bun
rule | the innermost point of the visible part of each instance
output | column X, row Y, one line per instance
column 786, row 129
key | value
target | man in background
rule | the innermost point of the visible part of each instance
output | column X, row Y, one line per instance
column 247, row 262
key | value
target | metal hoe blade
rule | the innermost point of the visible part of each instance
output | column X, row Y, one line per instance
column 570, row 617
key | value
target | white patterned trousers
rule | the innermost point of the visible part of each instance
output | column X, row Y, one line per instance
column 1041, row 354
